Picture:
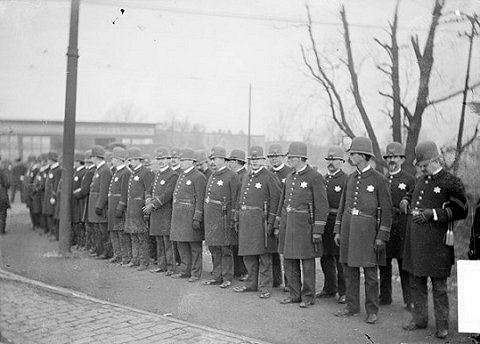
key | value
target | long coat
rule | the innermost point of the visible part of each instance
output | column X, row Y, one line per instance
column 139, row 182
column 83, row 193
column 29, row 185
column 257, row 188
column 4, row 186
column 425, row 253
column 220, row 197
column 98, row 197
column 281, row 172
column 301, row 189
column 356, row 221
column 161, row 195
column 78, row 204
column 400, row 184
column 334, row 184
column 51, row 184
column 188, row 198
column 117, row 198
column 39, row 189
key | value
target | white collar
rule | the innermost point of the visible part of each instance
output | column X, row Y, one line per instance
column 300, row 170
column 255, row 172
column 437, row 171
column 54, row 165
column 101, row 164
column 334, row 173
column 279, row 167
column 163, row 169
column 395, row 173
column 221, row 168
column 81, row 167
column 176, row 167
column 120, row 167
column 138, row 167
column 365, row 169
column 188, row 169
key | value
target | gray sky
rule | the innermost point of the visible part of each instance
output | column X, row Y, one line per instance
column 193, row 60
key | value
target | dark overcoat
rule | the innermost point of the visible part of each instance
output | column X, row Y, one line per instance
column 98, row 197
column 425, row 252
column 78, row 204
column 220, row 196
column 39, row 190
column 139, row 182
column 257, row 188
column 117, row 198
column 301, row 189
column 50, row 194
column 84, row 192
column 161, row 195
column 364, row 193
column 188, row 198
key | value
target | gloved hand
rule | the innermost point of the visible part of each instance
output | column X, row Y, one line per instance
column 196, row 225
column 379, row 245
column 270, row 229
column 98, row 211
column 337, row 239
column 147, row 209
column 316, row 238
column 424, row 216
column 404, row 205
column 118, row 213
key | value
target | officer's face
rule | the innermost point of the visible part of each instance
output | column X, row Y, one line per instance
column 174, row 162
column 294, row 161
column 276, row 161
column 355, row 159
column 394, row 162
column 334, row 164
column 185, row 164
column 428, row 167
column 76, row 163
column 134, row 162
column 255, row 164
column 218, row 163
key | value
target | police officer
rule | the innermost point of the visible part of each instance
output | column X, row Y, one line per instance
column 50, row 195
column 187, row 217
column 401, row 183
column 202, row 163
column 30, row 174
column 139, row 182
column 361, row 229
column 220, row 235
column 18, row 174
column 77, row 206
column 39, row 191
column 256, row 209
column 236, row 162
column 97, row 202
column 4, row 201
column 303, row 209
column 437, row 200
column 159, row 206
column 117, row 204
column 334, row 280
column 276, row 156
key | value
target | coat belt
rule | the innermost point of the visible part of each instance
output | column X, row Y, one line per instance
column 114, row 195
column 293, row 210
column 333, row 211
column 356, row 212
column 248, row 207
column 209, row 200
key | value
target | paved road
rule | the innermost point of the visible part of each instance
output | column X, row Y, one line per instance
column 34, row 313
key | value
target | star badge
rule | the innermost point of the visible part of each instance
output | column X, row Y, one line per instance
column 116, row 179
column 258, row 185
column 162, row 182
column 436, row 189
column 303, row 185
column 50, row 175
column 338, row 188
column 136, row 178
column 188, row 182
column 370, row 188
column 402, row 186
column 76, row 178
column 220, row 183
column 283, row 180
column 96, row 175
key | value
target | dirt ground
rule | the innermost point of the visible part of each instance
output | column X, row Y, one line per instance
column 27, row 253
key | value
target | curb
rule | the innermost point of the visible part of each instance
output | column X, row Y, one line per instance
column 9, row 276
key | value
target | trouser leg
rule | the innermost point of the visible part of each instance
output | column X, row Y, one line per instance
column 107, row 244
column 251, row 262
column 276, row 270
column 3, row 220
column 292, row 270
column 239, row 268
column 404, row 280
column 115, row 239
column 161, row 257
column 196, row 250
column 340, row 277
column 186, row 256
column 227, row 263
column 418, row 288
column 308, row 283
column 152, row 244
column 352, row 283
column 167, row 247
column 371, row 290
column 440, row 302
column 330, row 274
column 386, row 282
column 126, row 245
column 216, row 252
column 144, row 248
column 265, row 272
column 135, row 248
column 285, row 278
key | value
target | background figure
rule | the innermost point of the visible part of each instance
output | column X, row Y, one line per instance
column 18, row 174
column 4, row 201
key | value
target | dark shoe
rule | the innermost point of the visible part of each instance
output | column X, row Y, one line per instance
column 243, row 278
column 169, row 273
column 385, row 302
column 286, row 289
column 324, row 295
column 412, row 326
column 265, row 295
column 372, row 319
column 225, row 284
column 243, row 289
column 157, row 270
column 345, row 313
column 442, row 334
column 131, row 265
column 409, row 307
column 180, row 275
column 289, row 300
column 304, row 304
column 193, row 279
column 342, row 299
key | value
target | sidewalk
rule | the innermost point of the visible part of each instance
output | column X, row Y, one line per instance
column 33, row 312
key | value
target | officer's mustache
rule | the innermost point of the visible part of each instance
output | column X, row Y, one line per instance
column 350, row 161
column 330, row 166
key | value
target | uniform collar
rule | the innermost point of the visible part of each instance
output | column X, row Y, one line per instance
column 175, row 167
column 302, row 169
column 276, row 169
column 257, row 171
column 54, row 165
column 101, row 164
column 395, row 173
column 79, row 168
column 120, row 167
column 188, row 169
column 334, row 173
column 163, row 169
column 366, row 169
column 138, row 167
column 241, row 169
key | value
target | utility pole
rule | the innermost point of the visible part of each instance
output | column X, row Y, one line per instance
column 249, row 117
column 69, row 132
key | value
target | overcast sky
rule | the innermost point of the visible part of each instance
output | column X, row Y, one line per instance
column 194, row 60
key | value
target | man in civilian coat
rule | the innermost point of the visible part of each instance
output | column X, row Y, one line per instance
column 98, row 200
column 361, row 229
column 159, row 206
column 401, row 183
column 117, row 204
column 437, row 200
column 276, row 156
column 4, row 200
column 135, row 224
column 79, row 171
column 303, row 211
column 220, row 235
column 202, row 163
column 50, row 195
column 334, row 280
column 236, row 162
column 33, row 167
column 187, row 217
column 256, row 210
